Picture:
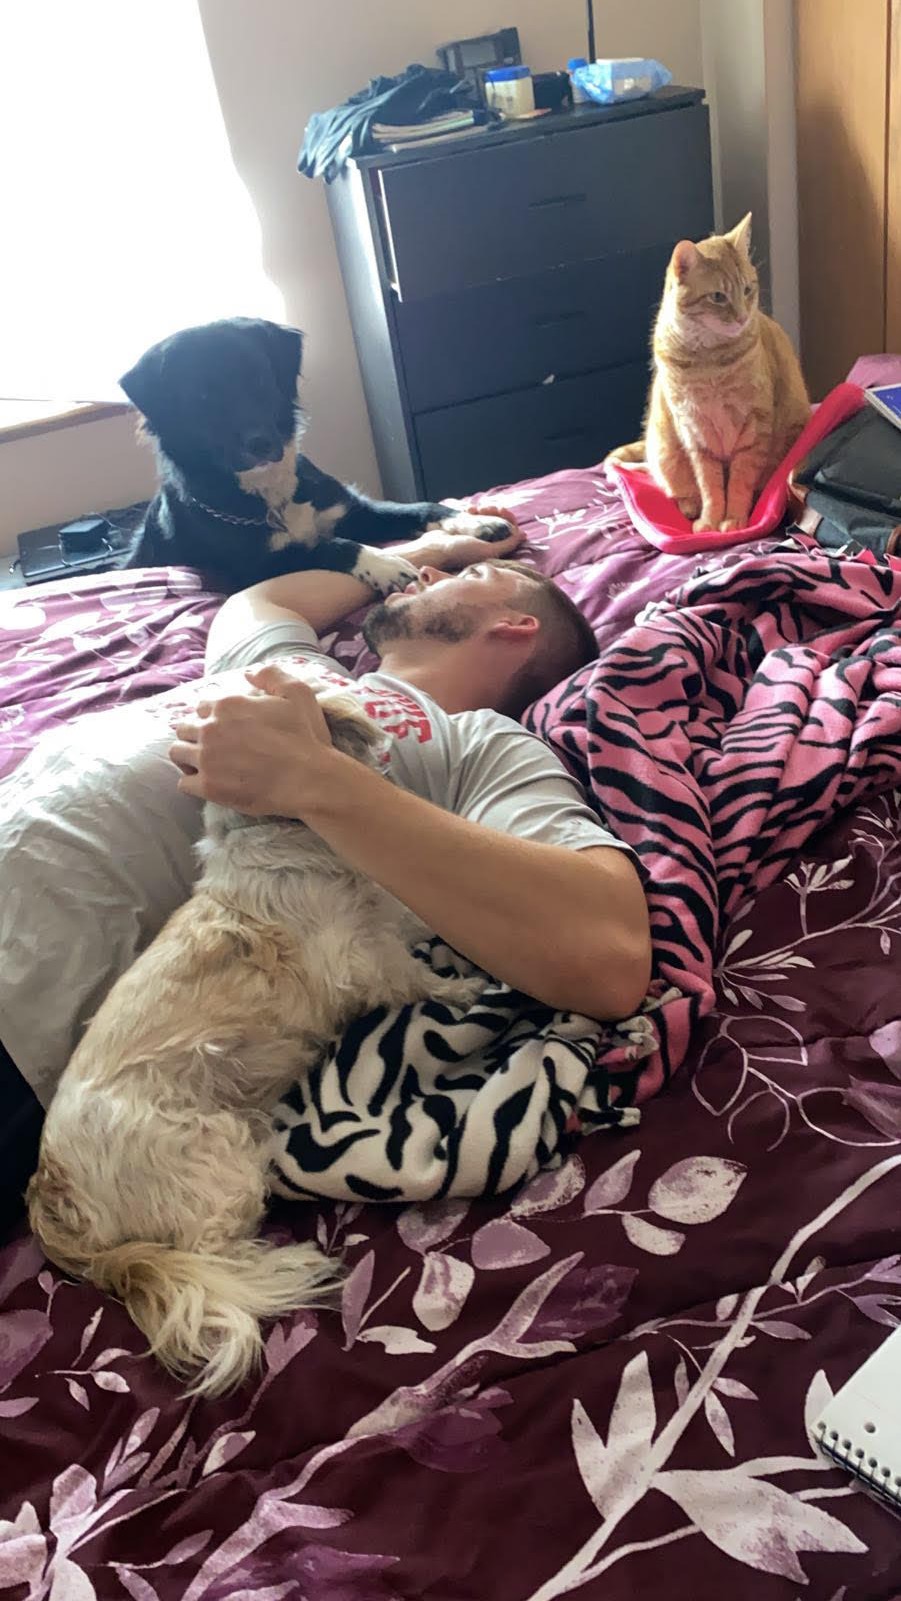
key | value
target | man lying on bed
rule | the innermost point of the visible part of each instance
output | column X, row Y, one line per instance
column 483, row 833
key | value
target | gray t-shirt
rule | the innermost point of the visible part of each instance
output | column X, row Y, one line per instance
column 97, row 843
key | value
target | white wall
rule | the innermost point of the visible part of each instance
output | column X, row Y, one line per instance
column 669, row 30
column 48, row 478
column 748, row 48
column 275, row 62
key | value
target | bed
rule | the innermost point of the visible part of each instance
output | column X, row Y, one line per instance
column 602, row 1385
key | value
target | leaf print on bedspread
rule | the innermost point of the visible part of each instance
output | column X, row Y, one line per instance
column 754, row 1522
column 695, row 1190
column 736, row 1508
column 101, row 641
column 757, row 1523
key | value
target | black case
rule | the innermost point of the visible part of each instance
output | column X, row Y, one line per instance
column 851, row 485
column 89, row 546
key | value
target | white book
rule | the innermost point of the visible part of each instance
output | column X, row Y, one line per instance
column 860, row 1429
column 436, row 138
column 411, row 130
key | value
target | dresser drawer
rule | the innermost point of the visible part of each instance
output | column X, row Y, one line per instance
column 500, row 440
column 512, row 335
column 513, row 210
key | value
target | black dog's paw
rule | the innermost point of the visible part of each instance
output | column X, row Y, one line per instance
column 383, row 572
column 475, row 526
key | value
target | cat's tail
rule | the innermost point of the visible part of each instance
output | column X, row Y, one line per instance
column 628, row 455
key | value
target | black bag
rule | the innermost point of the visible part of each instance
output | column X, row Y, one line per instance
column 850, row 486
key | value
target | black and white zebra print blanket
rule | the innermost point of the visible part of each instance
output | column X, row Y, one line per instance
column 728, row 725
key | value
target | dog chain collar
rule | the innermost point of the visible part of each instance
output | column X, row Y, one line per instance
column 271, row 520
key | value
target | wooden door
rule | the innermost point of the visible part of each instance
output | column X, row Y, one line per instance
column 893, row 189
column 842, row 54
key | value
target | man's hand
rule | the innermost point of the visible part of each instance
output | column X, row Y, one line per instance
column 267, row 753
column 321, row 597
column 569, row 927
column 453, row 548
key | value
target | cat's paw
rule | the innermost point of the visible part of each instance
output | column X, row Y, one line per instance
column 383, row 572
column 703, row 525
column 690, row 509
column 729, row 525
column 634, row 455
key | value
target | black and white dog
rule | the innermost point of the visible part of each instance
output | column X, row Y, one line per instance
column 236, row 498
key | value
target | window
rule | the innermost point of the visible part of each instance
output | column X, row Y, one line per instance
column 123, row 216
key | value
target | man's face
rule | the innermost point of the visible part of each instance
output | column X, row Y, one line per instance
column 449, row 607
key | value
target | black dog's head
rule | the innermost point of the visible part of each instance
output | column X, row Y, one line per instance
column 221, row 397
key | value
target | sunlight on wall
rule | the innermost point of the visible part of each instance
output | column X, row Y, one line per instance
column 123, row 215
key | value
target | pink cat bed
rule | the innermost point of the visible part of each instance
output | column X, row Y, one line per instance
column 660, row 521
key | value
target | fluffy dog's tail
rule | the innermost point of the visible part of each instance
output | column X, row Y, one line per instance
column 200, row 1311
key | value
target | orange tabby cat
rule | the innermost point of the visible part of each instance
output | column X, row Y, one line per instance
column 728, row 399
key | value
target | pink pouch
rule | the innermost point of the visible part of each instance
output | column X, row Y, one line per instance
column 660, row 521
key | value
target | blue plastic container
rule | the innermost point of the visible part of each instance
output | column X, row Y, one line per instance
column 621, row 78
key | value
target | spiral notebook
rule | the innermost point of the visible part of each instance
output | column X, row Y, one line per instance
column 860, row 1429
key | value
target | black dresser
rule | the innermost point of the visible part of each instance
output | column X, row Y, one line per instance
column 502, row 287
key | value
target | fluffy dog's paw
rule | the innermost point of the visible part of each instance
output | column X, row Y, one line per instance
column 353, row 731
column 384, row 572
column 457, row 991
column 476, row 526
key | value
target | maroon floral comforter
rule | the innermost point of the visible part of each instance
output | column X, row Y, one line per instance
column 604, row 1389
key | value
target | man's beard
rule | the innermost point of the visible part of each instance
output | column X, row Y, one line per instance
column 385, row 625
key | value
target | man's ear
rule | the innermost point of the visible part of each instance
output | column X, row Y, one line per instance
column 143, row 382
column 520, row 626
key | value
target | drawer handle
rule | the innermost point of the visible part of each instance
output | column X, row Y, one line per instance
column 567, row 433
column 559, row 200
column 559, row 316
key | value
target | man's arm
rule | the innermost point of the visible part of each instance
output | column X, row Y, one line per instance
column 322, row 598
column 567, row 927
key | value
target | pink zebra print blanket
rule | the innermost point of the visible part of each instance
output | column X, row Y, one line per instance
column 729, row 723
column 732, row 721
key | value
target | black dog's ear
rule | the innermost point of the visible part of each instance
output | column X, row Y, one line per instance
column 142, row 382
column 285, row 349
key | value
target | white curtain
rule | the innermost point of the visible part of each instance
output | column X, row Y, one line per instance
column 122, row 216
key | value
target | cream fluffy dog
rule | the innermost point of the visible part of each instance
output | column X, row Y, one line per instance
column 152, row 1175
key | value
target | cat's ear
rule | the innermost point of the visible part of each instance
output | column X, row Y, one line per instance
column 685, row 256
column 740, row 236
